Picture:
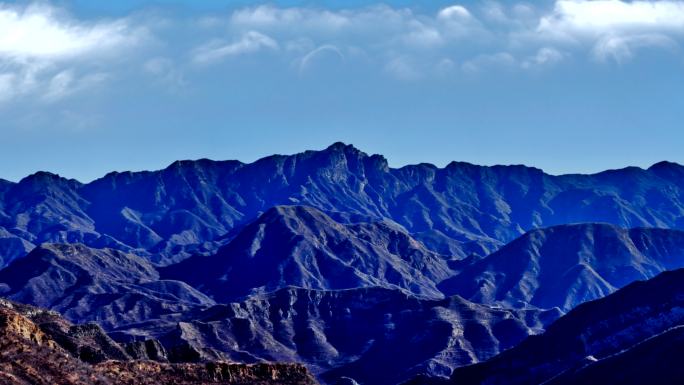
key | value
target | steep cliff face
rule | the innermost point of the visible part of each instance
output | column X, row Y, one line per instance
column 33, row 353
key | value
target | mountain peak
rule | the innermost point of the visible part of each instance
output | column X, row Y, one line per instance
column 340, row 146
column 302, row 246
column 46, row 178
column 665, row 164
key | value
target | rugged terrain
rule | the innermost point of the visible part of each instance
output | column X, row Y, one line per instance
column 363, row 273
column 38, row 347
column 583, row 345
column 564, row 266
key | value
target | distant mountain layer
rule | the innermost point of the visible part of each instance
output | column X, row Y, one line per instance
column 599, row 342
column 567, row 265
column 193, row 206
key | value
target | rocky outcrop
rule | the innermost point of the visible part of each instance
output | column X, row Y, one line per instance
column 30, row 356
column 151, row 350
column 153, row 373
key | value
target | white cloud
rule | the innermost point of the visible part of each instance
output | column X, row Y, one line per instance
column 59, row 86
column 40, row 47
column 40, row 32
column 545, row 56
column 6, row 86
column 267, row 16
column 50, row 55
column 611, row 16
column 166, row 71
column 454, row 12
column 613, row 29
column 623, row 48
column 218, row 50
column 66, row 83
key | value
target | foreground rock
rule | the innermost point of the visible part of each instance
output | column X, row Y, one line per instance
column 30, row 356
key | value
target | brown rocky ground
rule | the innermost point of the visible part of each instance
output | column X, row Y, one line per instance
column 29, row 355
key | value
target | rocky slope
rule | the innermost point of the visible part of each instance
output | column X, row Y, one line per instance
column 655, row 361
column 593, row 337
column 31, row 354
column 375, row 336
column 102, row 285
column 301, row 246
column 186, row 208
column 564, row 266
column 336, row 333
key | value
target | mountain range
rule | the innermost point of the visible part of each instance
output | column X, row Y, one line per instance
column 191, row 206
column 364, row 273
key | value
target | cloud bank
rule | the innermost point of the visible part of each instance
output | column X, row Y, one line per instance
column 47, row 52
column 40, row 47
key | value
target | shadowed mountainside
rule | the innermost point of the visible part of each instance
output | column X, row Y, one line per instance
column 337, row 333
column 593, row 337
column 301, row 246
column 375, row 336
column 567, row 265
column 102, row 285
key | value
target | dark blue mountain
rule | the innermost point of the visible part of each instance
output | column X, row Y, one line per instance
column 336, row 333
column 566, row 265
column 301, row 246
column 655, row 361
column 103, row 285
column 587, row 342
column 374, row 335
column 192, row 206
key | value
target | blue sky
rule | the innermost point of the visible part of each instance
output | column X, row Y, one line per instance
column 568, row 86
